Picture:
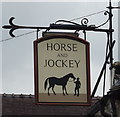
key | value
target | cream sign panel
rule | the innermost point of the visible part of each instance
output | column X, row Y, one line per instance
column 62, row 70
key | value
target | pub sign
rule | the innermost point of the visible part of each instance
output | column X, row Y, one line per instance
column 62, row 70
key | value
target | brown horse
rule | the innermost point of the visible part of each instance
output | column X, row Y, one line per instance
column 58, row 81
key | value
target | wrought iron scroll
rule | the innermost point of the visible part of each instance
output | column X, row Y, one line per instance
column 75, row 26
column 84, row 21
column 14, row 27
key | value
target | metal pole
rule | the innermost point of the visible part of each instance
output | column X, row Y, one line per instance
column 107, row 47
column 111, row 39
column 101, row 73
column 37, row 33
column 84, row 34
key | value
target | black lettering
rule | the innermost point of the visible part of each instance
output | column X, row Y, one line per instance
column 62, row 55
column 65, row 55
column 58, row 63
column 63, row 63
column 56, row 47
column 71, row 64
column 63, row 47
column 69, row 47
column 50, row 63
column 77, row 63
column 49, row 46
column 74, row 47
column 59, row 55
column 45, row 63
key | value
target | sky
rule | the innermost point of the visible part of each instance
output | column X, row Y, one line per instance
column 17, row 58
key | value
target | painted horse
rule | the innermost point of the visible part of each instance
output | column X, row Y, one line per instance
column 58, row 81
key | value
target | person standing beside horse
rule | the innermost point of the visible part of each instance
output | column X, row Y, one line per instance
column 77, row 86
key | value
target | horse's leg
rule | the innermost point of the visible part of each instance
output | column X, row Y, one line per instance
column 53, row 90
column 66, row 91
column 49, row 89
column 63, row 88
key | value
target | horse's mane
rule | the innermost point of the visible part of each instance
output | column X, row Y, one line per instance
column 67, row 75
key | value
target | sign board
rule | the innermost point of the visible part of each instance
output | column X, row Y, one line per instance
column 62, row 70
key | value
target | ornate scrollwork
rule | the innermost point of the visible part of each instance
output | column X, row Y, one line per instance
column 105, row 13
column 84, row 21
column 71, row 26
column 12, row 27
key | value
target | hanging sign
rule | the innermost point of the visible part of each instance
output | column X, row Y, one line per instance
column 62, row 70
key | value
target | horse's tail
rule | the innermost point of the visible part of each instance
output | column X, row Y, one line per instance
column 45, row 84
